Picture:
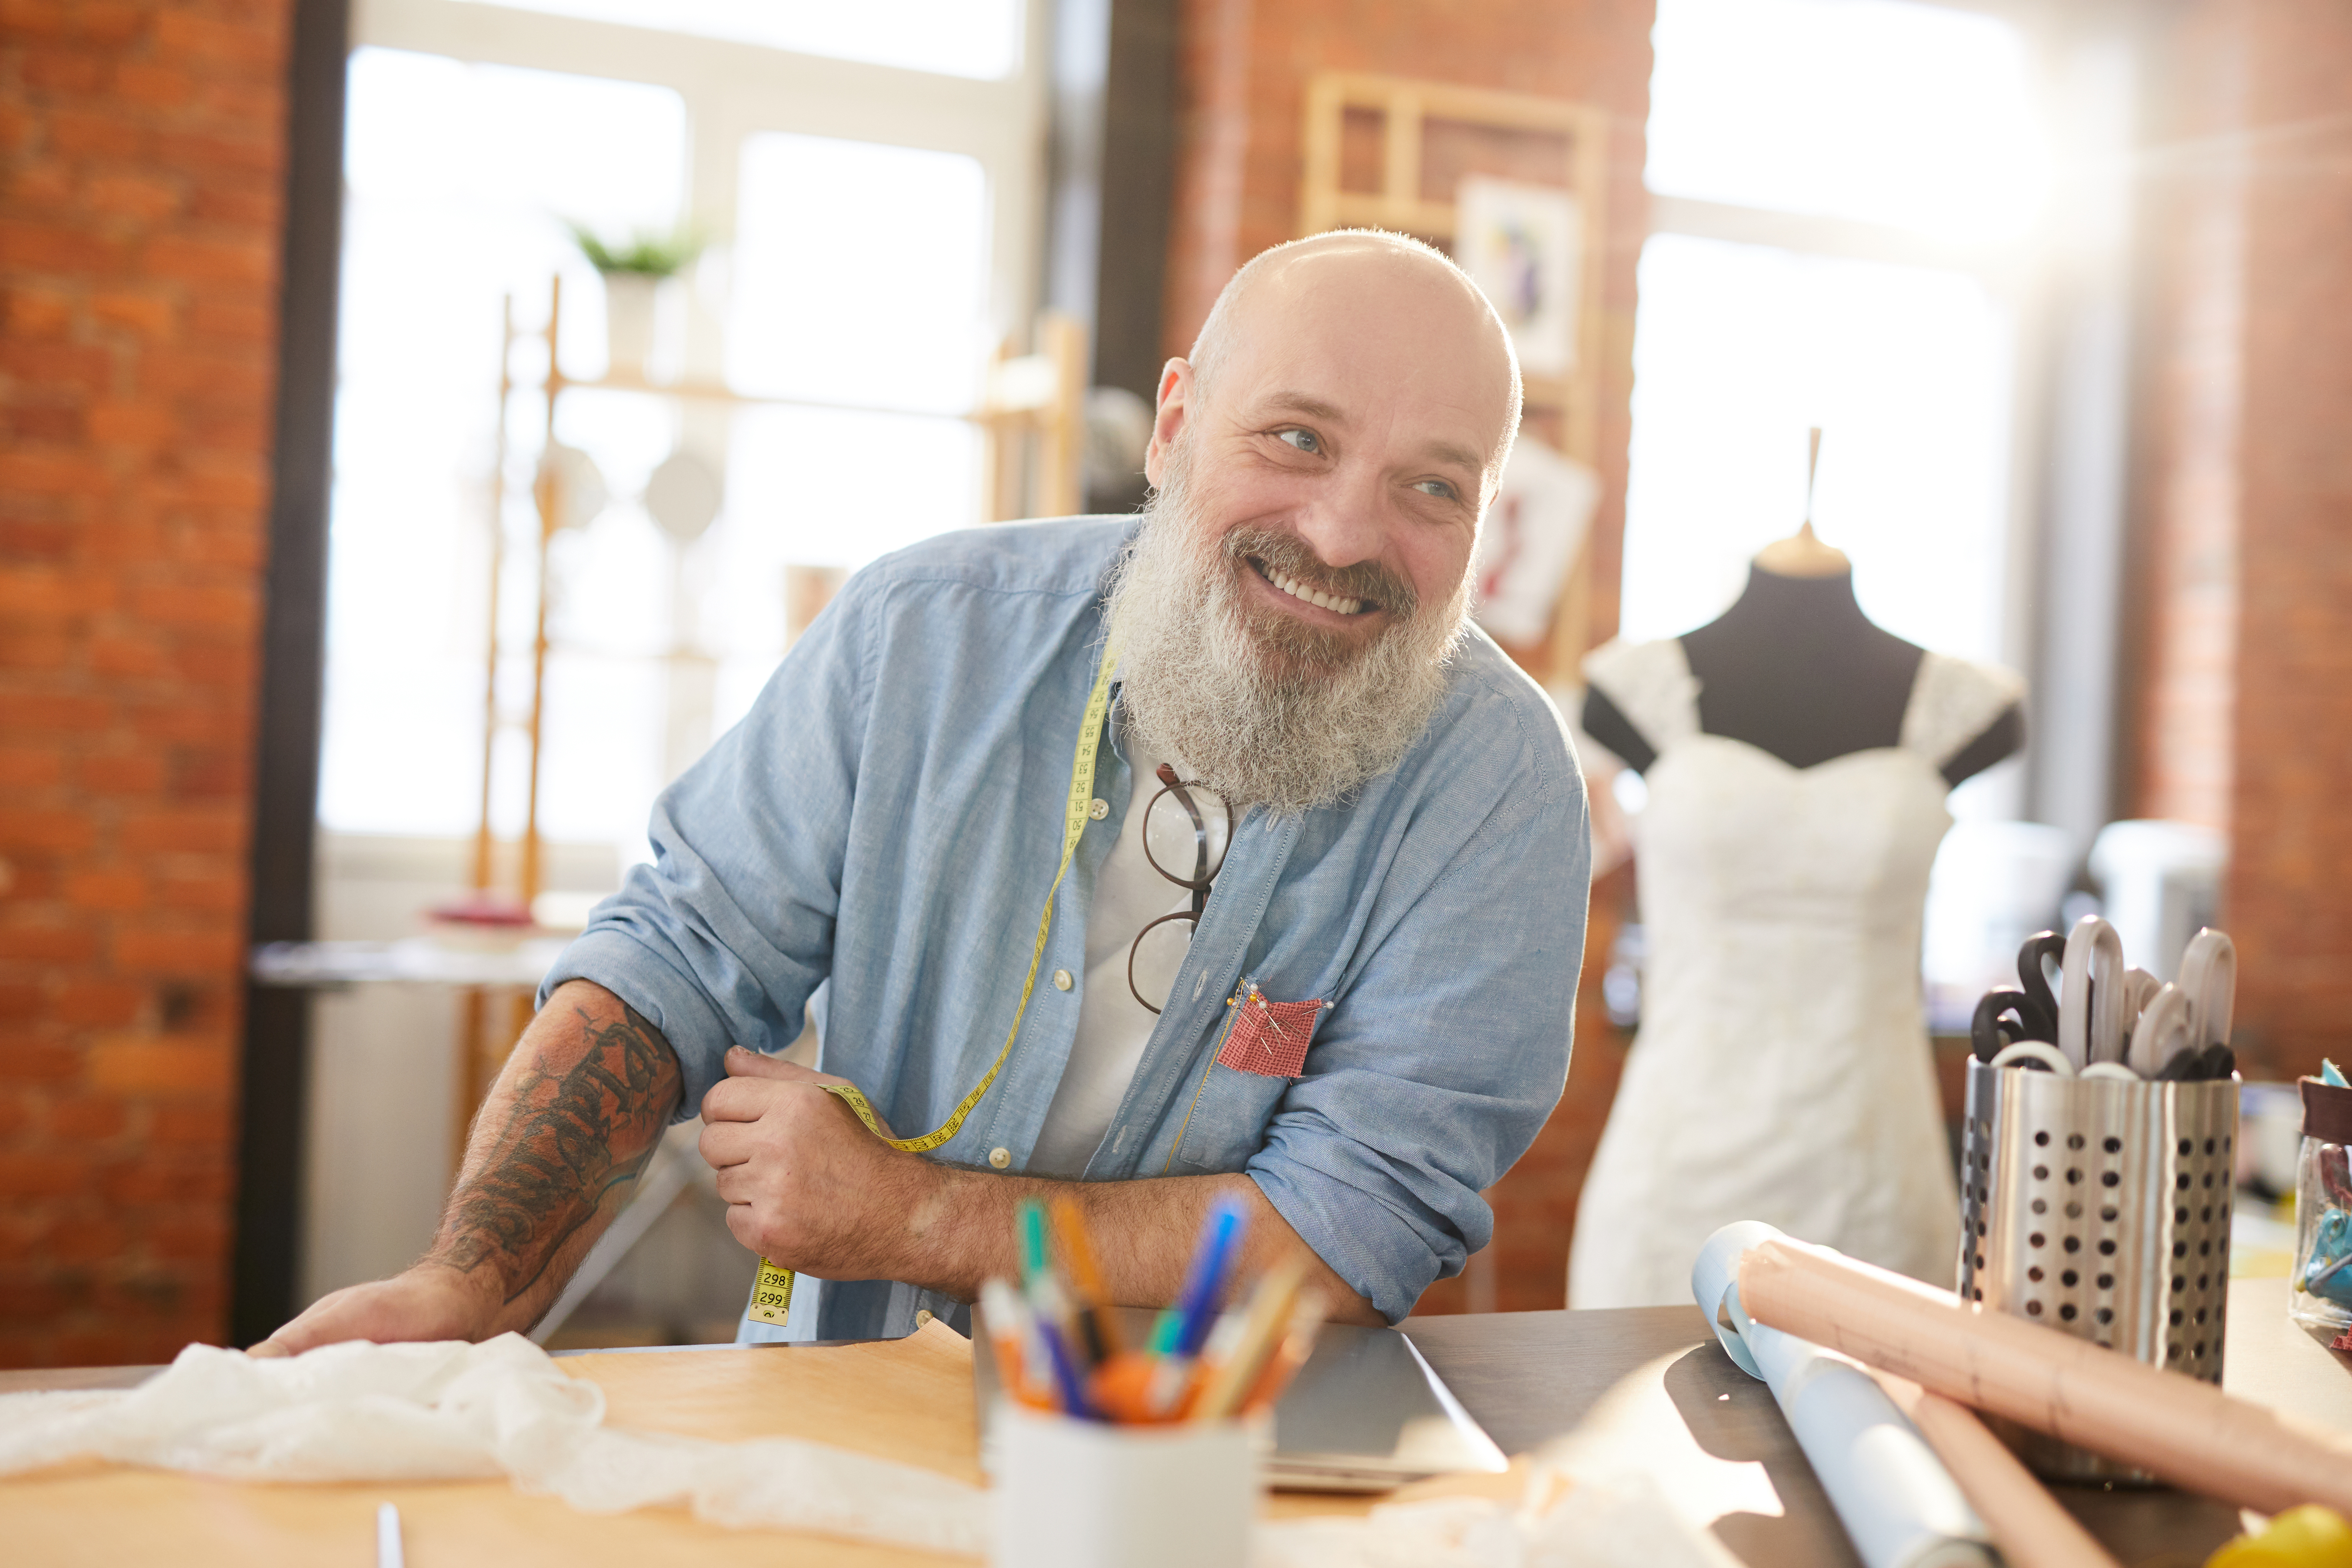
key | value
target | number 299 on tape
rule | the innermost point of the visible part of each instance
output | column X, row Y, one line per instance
column 772, row 1297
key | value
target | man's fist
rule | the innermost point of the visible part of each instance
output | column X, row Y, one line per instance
column 431, row 1302
column 806, row 1183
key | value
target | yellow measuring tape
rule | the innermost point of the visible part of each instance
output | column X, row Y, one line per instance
column 772, row 1297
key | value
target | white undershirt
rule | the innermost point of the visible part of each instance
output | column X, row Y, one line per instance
column 1113, row 1026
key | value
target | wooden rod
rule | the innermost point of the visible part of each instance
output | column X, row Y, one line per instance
column 548, row 491
column 484, row 845
column 465, row 1096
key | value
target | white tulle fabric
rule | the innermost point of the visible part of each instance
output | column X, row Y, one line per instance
column 1782, row 1071
column 463, row 1412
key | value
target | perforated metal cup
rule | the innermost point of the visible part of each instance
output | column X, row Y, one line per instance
column 2099, row 1208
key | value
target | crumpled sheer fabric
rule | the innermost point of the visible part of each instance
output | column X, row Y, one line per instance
column 452, row 1411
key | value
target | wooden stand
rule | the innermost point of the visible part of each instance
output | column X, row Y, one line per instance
column 1032, row 417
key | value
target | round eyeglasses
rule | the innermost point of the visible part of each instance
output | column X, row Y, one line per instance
column 1186, row 824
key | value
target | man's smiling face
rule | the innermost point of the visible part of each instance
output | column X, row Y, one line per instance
column 1340, row 445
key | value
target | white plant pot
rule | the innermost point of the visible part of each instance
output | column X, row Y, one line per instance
column 629, row 309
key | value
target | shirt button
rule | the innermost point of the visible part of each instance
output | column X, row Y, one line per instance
column 1098, row 809
column 923, row 1319
column 1062, row 981
column 1000, row 1157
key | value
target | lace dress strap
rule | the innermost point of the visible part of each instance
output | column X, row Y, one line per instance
column 1652, row 685
column 1954, row 701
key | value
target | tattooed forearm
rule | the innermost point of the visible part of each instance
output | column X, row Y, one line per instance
column 575, row 1117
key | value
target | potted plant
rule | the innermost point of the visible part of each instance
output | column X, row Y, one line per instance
column 633, row 272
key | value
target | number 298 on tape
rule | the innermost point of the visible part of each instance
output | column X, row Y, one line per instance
column 772, row 1297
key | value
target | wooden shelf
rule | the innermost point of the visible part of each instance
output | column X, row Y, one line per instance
column 718, row 391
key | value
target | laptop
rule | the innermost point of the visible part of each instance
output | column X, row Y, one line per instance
column 1366, row 1414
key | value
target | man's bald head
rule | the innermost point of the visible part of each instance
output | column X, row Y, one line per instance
column 1388, row 272
column 1291, row 605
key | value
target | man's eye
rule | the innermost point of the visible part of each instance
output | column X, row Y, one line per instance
column 1305, row 440
column 1438, row 488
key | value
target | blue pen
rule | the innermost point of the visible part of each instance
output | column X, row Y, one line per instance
column 1204, row 1282
column 1069, row 1384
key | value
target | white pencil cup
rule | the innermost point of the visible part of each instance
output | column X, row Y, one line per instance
column 1080, row 1494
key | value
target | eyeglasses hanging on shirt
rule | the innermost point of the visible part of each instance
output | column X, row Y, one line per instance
column 1186, row 825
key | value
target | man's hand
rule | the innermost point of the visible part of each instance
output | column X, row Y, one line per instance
column 806, row 1183
column 554, row 1155
column 810, row 1188
column 431, row 1302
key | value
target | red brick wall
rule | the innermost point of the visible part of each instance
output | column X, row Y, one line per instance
column 1244, row 66
column 2250, row 707
column 140, row 146
column 2196, row 244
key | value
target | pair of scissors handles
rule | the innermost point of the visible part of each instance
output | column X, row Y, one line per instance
column 2027, row 1012
column 2104, row 1012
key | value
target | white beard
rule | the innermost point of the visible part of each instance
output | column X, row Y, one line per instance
column 1261, row 707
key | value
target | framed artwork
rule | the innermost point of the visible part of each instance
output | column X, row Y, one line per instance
column 1523, row 244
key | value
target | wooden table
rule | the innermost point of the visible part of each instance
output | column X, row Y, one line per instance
column 1648, row 1383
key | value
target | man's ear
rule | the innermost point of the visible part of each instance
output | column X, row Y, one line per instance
column 1175, row 401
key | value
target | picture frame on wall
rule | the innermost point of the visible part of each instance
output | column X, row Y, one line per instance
column 1523, row 244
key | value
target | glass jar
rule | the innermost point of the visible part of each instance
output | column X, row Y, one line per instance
column 2321, row 1296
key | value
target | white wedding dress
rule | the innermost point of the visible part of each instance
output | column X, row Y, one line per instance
column 1782, row 1071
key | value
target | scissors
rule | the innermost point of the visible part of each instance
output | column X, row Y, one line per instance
column 2028, row 1011
column 2162, row 1031
column 2208, row 975
column 2037, row 959
column 2004, row 1016
column 2091, row 995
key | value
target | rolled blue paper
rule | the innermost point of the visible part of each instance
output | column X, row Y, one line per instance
column 1897, row 1503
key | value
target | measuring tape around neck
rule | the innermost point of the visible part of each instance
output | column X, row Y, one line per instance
column 771, row 1297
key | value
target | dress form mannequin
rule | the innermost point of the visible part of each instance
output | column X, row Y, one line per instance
column 1795, row 668
column 1797, row 757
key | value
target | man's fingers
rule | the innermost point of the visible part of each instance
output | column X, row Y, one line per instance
column 724, row 1143
column 268, row 1348
column 738, row 1099
column 733, row 1184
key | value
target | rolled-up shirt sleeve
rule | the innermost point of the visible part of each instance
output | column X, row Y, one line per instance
column 1441, row 1062
column 723, row 937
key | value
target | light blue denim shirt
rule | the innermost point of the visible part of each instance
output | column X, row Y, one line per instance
column 874, row 842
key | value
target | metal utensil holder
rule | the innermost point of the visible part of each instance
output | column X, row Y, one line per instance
column 2100, row 1208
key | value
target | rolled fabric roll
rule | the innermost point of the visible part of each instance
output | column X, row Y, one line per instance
column 2031, row 1529
column 2187, row 1432
column 1896, row 1500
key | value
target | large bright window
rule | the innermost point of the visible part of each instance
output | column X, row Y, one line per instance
column 860, row 274
column 1913, row 115
column 867, row 244
column 1906, row 369
column 1840, row 187
column 456, row 176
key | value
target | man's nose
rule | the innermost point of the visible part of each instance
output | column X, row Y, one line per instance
column 1345, row 522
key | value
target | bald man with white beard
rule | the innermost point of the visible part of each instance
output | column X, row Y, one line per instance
column 1315, row 939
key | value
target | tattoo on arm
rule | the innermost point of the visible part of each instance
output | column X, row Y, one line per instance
column 571, row 1135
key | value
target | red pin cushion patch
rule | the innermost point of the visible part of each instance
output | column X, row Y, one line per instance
column 1269, row 1038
